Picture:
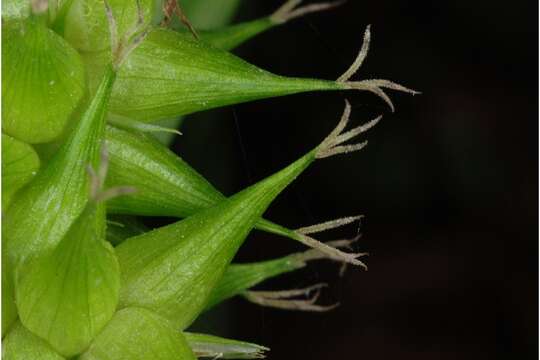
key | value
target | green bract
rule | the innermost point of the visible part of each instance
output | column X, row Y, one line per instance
column 44, row 84
column 138, row 334
column 19, row 165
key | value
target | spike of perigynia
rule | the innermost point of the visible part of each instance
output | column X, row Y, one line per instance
column 69, row 295
column 45, row 209
column 22, row 344
column 168, row 186
column 43, row 82
column 171, row 75
column 138, row 334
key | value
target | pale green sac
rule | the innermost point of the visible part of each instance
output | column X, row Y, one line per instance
column 43, row 82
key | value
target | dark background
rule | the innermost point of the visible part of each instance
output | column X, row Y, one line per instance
column 448, row 183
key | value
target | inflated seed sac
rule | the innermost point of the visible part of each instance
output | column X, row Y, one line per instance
column 85, row 25
column 138, row 334
column 45, row 209
column 170, row 75
column 22, row 344
column 215, row 347
column 67, row 297
column 172, row 270
column 43, row 82
column 20, row 163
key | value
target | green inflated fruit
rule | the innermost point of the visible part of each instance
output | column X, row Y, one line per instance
column 81, row 276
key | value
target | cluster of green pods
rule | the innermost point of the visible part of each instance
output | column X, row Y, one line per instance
column 85, row 82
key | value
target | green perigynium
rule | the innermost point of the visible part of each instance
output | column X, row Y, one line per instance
column 82, row 277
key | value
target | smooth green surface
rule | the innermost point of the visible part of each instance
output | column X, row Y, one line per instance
column 42, row 84
column 211, row 346
column 67, row 297
column 21, row 344
column 172, row 270
column 138, row 334
column 45, row 209
column 20, row 164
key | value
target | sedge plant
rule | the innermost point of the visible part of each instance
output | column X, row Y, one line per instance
column 87, row 84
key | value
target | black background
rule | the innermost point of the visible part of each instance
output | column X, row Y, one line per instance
column 448, row 183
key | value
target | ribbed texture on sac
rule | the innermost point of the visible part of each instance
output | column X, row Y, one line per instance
column 173, row 269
